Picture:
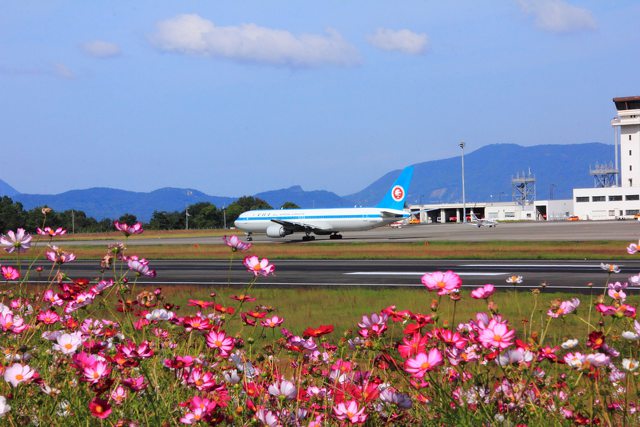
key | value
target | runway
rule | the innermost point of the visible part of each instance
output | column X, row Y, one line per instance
column 517, row 231
column 558, row 275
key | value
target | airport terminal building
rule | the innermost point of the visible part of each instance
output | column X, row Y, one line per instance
column 615, row 195
column 618, row 196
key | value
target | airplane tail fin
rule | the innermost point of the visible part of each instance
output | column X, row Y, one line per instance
column 397, row 194
column 473, row 216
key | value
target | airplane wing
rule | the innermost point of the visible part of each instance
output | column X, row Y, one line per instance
column 388, row 214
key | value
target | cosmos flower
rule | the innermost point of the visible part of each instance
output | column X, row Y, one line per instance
column 99, row 408
column 20, row 241
column 236, row 244
column 141, row 267
column 58, row 256
column 258, row 267
column 283, row 388
column 220, row 341
column 350, row 411
column 514, row 279
column 272, row 322
column 610, row 268
column 422, row 363
column 4, row 408
column 68, row 343
column 17, row 374
column 445, row 283
column 569, row 344
column 10, row 273
column 484, row 292
column 48, row 231
column 317, row 332
column 629, row 365
column 565, row 307
column 128, row 230
column 496, row 335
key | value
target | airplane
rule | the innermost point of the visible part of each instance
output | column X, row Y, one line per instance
column 277, row 223
column 481, row 222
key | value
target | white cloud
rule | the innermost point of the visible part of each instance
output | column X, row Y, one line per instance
column 63, row 71
column 404, row 41
column 558, row 16
column 192, row 34
column 101, row 49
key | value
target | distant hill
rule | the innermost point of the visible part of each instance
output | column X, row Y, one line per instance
column 488, row 174
column 6, row 189
column 489, row 170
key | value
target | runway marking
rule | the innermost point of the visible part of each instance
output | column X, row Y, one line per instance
column 416, row 273
column 594, row 266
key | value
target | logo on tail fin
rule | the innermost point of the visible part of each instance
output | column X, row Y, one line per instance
column 397, row 193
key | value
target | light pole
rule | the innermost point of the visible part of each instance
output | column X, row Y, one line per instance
column 464, row 202
column 224, row 217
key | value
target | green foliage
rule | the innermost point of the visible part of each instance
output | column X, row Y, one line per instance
column 243, row 204
column 289, row 205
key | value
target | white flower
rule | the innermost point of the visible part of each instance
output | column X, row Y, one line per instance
column 568, row 344
column 4, row 408
column 285, row 388
column 68, row 343
column 630, row 364
column 160, row 314
column 630, row 335
column 17, row 374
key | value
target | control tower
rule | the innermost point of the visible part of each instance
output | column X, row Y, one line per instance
column 627, row 128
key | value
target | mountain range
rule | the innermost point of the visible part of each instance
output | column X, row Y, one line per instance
column 488, row 174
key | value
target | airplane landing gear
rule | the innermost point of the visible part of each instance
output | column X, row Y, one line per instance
column 308, row 237
column 335, row 236
column 249, row 237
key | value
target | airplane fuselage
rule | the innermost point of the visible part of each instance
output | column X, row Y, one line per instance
column 324, row 221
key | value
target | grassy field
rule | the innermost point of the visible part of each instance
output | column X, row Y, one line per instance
column 342, row 250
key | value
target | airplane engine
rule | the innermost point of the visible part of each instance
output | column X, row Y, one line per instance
column 277, row 230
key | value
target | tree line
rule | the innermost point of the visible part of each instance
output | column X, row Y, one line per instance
column 201, row 215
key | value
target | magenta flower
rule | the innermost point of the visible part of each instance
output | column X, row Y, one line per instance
column 220, row 341
column 48, row 231
column 236, row 244
column 99, row 408
column 422, row 363
column 96, row 371
column 19, row 241
column 259, row 267
column 484, row 292
column 128, row 230
column 632, row 248
column 496, row 335
column 350, row 411
column 445, row 283
column 10, row 273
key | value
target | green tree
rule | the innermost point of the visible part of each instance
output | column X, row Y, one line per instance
column 289, row 205
column 12, row 215
column 128, row 218
column 243, row 204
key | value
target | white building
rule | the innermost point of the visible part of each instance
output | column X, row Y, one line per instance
column 623, row 199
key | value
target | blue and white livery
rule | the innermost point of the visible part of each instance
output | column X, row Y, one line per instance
column 282, row 222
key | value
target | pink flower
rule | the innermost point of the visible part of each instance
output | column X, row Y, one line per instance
column 10, row 273
column 350, row 411
column 58, row 256
column 19, row 241
column 566, row 307
column 615, row 294
column 128, row 230
column 258, row 267
column 48, row 317
column 118, row 395
column 484, row 292
column 496, row 335
column 141, row 267
column 445, row 283
column 48, row 231
column 17, row 374
column 272, row 322
column 632, row 248
column 220, row 341
column 99, row 408
column 236, row 244
column 422, row 363
column 96, row 371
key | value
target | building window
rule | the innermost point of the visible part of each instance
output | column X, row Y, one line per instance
column 630, row 167
column 629, row 137
column 632, row 211
column 615, row 198
column 598, row 198
column 612, row 213
column 629, row 152
column 632, row 197
column 509, row 214
column 582, row 199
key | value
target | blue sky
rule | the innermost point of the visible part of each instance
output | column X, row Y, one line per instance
column 238, row 97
